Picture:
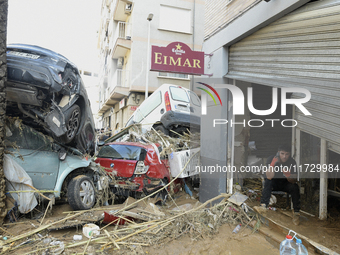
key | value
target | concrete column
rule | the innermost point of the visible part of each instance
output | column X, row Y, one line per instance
column 214, row 140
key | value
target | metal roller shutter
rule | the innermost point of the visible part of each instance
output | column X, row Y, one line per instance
column 302, row 50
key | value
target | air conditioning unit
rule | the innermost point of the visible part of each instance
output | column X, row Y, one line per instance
column 120, row 62
column 128, row 8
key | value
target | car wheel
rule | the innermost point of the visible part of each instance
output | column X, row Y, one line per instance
column 162, row 129
column 72, row 120
column 81, row 193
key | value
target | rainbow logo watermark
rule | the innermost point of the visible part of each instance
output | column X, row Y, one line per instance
column 209, row 93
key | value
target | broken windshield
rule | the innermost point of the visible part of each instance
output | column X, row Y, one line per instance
column 23, row 137
column 119, row 151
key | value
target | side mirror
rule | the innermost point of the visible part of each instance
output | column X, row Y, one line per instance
column 62, row 155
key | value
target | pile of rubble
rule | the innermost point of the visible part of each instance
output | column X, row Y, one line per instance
column 145, row 224
column 173, row 143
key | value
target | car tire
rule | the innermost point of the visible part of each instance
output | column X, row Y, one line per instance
column 81, row 193
column 72, row 121
column 162, row 129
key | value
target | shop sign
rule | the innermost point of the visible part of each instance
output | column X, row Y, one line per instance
column 177, row 57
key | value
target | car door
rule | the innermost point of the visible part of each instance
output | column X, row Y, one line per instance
column 33, row 152
column 179, row 99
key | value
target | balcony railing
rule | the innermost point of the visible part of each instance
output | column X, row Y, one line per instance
column 123, row 31
column 120, row 78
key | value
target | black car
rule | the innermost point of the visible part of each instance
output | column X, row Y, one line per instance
column 45, row 89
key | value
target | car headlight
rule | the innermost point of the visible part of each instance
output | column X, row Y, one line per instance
column 141, row 168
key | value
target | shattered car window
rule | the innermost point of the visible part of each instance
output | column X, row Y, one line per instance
column 24, row 137
column 117, row 151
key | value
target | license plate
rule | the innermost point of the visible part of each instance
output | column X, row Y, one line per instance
column 23, row 54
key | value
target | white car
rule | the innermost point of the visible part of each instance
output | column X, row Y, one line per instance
column 170, row 107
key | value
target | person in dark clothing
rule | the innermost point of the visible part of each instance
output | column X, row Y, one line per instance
column 280, row 177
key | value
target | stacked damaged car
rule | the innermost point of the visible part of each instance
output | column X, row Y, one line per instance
column 136, row 168
column 55, row 170
column 46, row 91
column 142, row 163
column 160, row 141
column 49, row 130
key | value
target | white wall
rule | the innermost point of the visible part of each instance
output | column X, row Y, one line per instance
column 159, row 36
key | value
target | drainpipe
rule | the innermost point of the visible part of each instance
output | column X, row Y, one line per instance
column 193, row 42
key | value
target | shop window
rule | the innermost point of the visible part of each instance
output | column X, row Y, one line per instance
column 310, row 152
column 333, row 166
column 310, row 147
column 173, row 75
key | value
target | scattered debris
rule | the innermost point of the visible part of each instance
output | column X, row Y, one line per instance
column 134, row 133
column 238, row 199
column 91, row 230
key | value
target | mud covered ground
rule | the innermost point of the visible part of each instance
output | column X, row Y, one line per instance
column 224, row 241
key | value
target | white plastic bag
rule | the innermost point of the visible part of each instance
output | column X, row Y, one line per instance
column 16, row 178
column 272, row 200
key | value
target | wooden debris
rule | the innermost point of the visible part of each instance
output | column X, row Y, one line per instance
column 137, row 216
column 37, row 191
column 5, row 231
column 48, row 206
column 111, row 239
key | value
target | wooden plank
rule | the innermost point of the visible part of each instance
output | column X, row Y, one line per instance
column 137, row 216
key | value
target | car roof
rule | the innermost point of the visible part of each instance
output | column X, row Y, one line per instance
column 166, row 86
column 145, row 146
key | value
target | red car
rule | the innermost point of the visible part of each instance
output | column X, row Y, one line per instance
column 136, row 168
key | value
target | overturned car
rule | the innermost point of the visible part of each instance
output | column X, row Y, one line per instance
column 45, row 89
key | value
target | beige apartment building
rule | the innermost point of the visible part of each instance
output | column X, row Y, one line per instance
column 124, row 50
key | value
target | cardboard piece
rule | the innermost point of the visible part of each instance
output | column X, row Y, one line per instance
column 238, row 198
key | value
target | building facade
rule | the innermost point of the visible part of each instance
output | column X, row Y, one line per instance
column 91, row 82
column 283, row 45
column 124, row 50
